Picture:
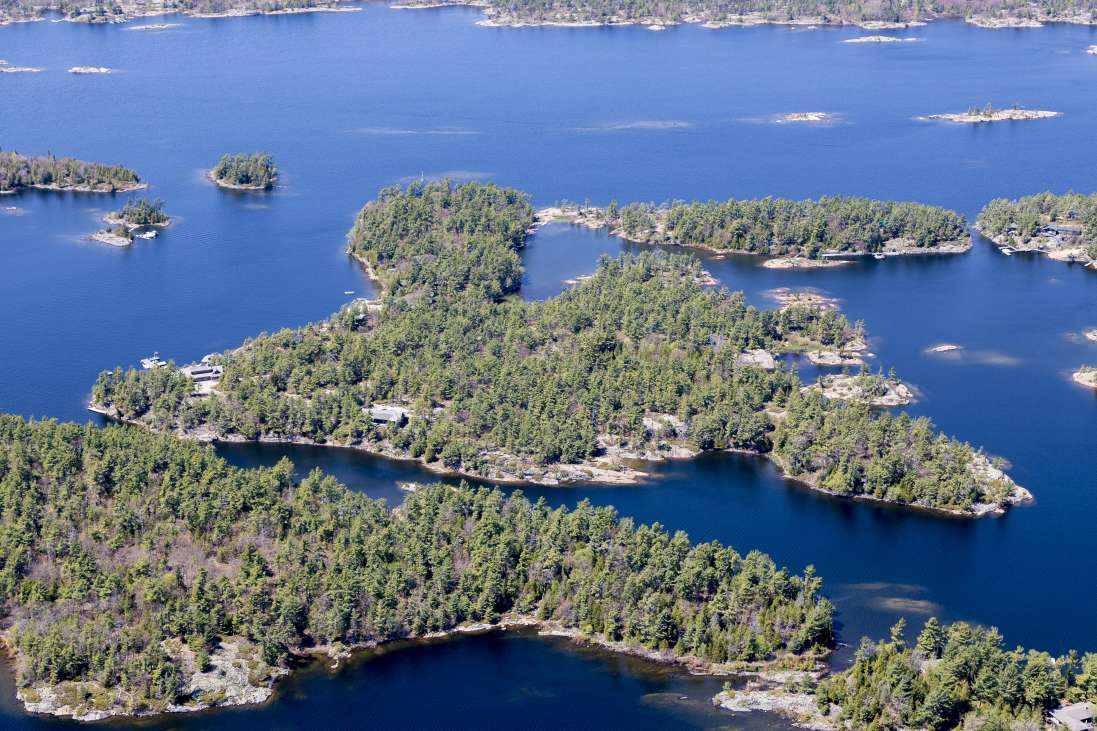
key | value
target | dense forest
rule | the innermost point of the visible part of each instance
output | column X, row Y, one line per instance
column 777, row 11
column 108, row 11
column 1073, row 215
column 952, row 677
column 65, row 173
column 635, row 361
column 126, row 556
column 256, row 170
column 142, row 212
column 781, row 227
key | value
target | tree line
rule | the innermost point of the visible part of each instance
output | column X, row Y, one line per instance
column 496, row 385
column 782, row 227
column 19, row 171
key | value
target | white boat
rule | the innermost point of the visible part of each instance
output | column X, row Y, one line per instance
column 878, row 255
column 150, row 234
column 154, row 362
column 1006, row 250
column 348, row 291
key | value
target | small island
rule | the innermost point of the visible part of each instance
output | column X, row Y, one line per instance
column 791, row 230
column 139, row 217
column 883, row 39
column 1091, row 334
column 154, row 26
column 809, row 117
column 1086, row 376
column 90, row 70
column 256, row 171
column 64, row 174
column 989, row 113
column 5, row 68
column 1063, row 227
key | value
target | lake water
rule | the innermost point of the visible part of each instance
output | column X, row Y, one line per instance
column 351, row 102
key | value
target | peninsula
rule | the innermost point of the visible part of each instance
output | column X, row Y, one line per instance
column 194, row 584
column 256, row 171
column 956, row 676
column 988, row 113
column 639, row 361
column 1064, row 227
column 792, row 230
column 64, row 174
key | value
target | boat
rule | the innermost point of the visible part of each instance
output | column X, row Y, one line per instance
column 150, row 234
column 153, row 362
column 1006, row 250
column 348, row 291
column 878, row 255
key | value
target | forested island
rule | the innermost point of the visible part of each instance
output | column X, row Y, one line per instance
column 256, row 171
column 1064, row 227
column 119, row 11
column 639, row 361
column 143, row 574
column 64, row 174
column 793, row 230
column 955, row 676
column 138, row 217
column 870, row 14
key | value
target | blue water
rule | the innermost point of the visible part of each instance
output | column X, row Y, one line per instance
column 351, row 102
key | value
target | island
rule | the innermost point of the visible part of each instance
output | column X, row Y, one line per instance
column 1064, row 227
column 807, row 117
column 989, row 113
column 90, row 70
column 6, row 68
column 640, row 361
column 1091, row 334
column 139, row 217
column 121, row 11
column 819, row 230
column 883, row 39
column 192, row 584
column 957, row 676
column 809, row 13
column 64, row 174
column 256, row 171
column 1092, row 50
column 153, row 26
column 1086, row 376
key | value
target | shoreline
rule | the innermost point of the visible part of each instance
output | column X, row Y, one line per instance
column 233, row 186
column 127, row 188
column 42, row 700
column 132, row 14
column 627, row 476
column 1040, row 245
column 1085, row 377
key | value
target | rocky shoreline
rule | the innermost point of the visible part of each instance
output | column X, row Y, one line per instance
column 598, row 473
column 883, row 39
column 1046, row 245
column 1085, row 377
column 130, row 11
column 853, row 388
column 997, row 115
column 236, row 676
column 233, row 186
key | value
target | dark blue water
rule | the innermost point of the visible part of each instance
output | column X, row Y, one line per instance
column 348, row 103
